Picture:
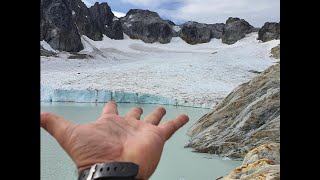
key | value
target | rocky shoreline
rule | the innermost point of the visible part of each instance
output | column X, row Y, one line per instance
column 248, row 117
column 262, row 162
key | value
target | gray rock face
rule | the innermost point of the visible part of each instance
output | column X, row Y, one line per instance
column 262, row 162
column 62, row 22
column 236, row 29
column 114, row 31
column 195, row 33
column 86, row 23
column 57, row 26
column 249, row 116
column 269, row 31
column 147, row 26
column 216, row 30
column 103, row 17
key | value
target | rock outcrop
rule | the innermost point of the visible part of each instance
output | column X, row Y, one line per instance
column 236, row 29
column 86, row 23
column 147, row 26
column 194, row 33
column 57, row 26
column 216, row 30
column 269, row 31
column 106, row 21
column 249, row 116
column 262, row 162
column 275, row 52
column 62, row 22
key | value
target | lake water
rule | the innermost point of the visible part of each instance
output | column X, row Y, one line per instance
column 177, row 162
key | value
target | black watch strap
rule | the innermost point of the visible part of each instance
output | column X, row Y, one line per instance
column 110, row 171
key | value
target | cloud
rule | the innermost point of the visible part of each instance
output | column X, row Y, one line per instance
column 256, row 12
column 146, row 3
column 213, row 11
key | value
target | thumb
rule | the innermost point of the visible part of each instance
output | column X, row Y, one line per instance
column 54, row 124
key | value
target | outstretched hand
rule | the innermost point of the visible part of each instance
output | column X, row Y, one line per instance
column 113, row 138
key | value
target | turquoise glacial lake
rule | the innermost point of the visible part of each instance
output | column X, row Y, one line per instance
column 177, row 162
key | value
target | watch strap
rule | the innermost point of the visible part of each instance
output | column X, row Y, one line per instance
column 114, row 170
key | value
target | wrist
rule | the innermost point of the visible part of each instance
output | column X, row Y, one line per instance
column 110, row 170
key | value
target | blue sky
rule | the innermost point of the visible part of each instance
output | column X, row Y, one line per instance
column 256, row 12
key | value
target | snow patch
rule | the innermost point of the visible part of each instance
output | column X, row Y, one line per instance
column 73, row 13
column 175, row 73
column 47, row 46
column 176, row 28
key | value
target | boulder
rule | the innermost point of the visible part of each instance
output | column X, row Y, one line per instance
column 269, row 31
column 236, row 29
column 262, row 162
column 249, row 116
column 194, row 33
column 147, row 26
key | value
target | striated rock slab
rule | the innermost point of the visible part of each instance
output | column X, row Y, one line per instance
column 147, row 26
column 269, row 31
column 249, row 116
column 236, row 29
column 260, row 163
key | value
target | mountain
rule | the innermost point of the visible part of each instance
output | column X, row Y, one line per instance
column 64, row 22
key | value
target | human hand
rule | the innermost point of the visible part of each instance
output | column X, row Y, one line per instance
column 113, row 138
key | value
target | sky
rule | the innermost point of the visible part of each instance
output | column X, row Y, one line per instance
column 256, row 12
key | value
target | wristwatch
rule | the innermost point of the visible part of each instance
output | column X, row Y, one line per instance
column 110, row 171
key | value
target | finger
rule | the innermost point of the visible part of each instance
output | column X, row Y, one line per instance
column 156, row 116
column 135, row 113
column 170, row 127
column 54, row 124
column 110, row 108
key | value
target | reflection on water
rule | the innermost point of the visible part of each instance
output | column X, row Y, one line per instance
column 177, row 162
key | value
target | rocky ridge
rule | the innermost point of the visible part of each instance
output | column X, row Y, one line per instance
column 63, row 22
